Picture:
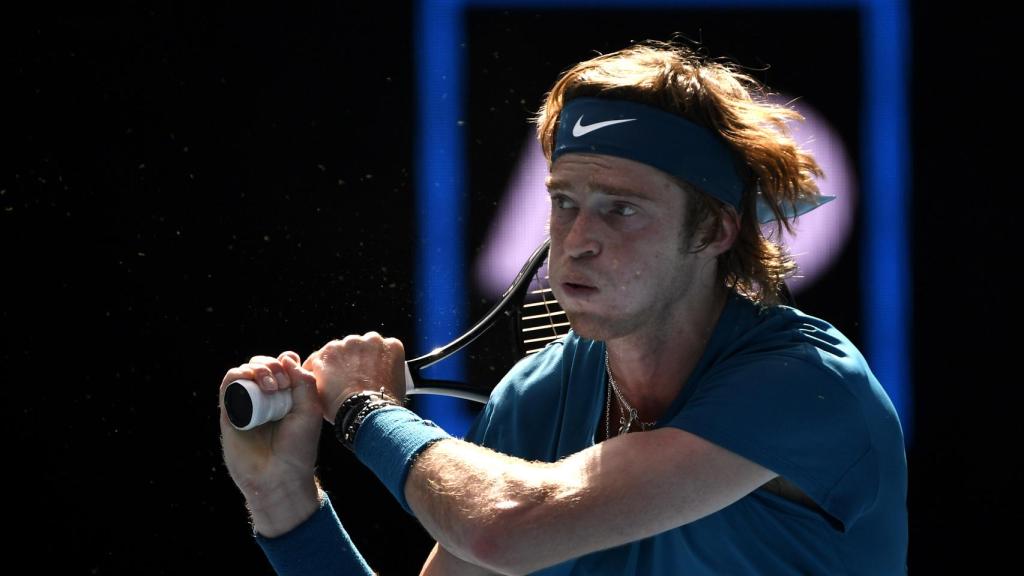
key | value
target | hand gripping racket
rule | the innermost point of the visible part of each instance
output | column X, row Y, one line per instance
column 527, row 309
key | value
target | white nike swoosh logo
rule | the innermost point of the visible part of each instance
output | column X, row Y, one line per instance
column 579, row 129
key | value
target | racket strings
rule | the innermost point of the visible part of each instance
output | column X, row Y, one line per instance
column 543, row 319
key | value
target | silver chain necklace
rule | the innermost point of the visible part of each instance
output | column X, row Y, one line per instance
column 629, row 415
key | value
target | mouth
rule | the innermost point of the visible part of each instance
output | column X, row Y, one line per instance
column 577, row 290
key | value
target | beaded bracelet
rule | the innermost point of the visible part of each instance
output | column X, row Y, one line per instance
column 354, row 410
column 353, row 428
column 349, row 407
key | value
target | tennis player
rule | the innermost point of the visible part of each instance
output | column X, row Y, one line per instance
column 690, row 423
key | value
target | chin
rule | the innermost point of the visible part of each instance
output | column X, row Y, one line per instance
column 589, row 326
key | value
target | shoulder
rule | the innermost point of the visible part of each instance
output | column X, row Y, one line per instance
column 786, row 340
column 798, row 366
column 794, row 394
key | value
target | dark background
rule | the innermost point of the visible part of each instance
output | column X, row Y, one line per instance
column 182, row 188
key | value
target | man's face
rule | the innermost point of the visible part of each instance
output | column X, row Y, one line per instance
column 617, row 263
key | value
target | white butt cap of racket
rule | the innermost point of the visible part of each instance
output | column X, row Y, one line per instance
column 248, row 406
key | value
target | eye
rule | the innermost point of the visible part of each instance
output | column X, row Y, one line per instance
column 562, row 202
column 623, row 209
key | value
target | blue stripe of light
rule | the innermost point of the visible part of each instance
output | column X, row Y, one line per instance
column 886, row 259
column 440, row 175
column 886, row 284
column 643, row 4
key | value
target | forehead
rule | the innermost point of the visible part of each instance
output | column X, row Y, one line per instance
column 620, row 176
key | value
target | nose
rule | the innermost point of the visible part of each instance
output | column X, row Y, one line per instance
column 581, row 240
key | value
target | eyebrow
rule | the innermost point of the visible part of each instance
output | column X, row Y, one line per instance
column 553, row 184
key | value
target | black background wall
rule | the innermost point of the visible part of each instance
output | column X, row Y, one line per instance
column 182, row 188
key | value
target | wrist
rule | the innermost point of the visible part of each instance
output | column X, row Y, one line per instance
column 338, row 405
column 280, row 509
column 354, row 410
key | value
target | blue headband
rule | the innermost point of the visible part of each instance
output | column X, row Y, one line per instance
column 664, row 141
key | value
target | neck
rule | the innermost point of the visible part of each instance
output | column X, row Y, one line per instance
column 651, row 367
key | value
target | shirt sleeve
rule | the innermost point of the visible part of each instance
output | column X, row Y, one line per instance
column 318, row 546
column 795, row 418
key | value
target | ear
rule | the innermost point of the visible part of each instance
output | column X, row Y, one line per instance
column 726, row 234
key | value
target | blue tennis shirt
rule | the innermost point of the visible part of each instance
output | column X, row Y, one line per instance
column 774, row 385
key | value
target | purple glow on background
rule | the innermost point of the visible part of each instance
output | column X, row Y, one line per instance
column 520, row 223
column 823, row 233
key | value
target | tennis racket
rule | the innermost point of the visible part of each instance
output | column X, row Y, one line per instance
column 528, row 311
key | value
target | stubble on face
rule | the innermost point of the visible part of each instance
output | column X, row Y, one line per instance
column 639, row 286
column 641, row 304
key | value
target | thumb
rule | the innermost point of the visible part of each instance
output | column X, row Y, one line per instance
column 305, row 397
column 304, row 393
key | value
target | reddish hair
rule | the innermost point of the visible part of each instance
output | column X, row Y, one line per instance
column 718, row 96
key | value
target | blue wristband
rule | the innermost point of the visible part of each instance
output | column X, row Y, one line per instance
column 388, row 442
column 319, row 545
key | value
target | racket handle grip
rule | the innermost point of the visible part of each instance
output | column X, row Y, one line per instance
column 248, row 406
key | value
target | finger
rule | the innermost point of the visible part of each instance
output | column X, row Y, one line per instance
column 305, row 395
column 395, row 347
column 304, row 391
column 277, row 373
column 243, row 372
column 258, row 373
column 372, row 336
column 264, row 377
column 335, row 350
column 314, row 359
column 290, row 360
column 284, row 381
column 296, row 373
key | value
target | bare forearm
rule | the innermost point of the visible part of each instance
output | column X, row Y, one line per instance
column 513, row 516
column 444, row 563
column 475, row 501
